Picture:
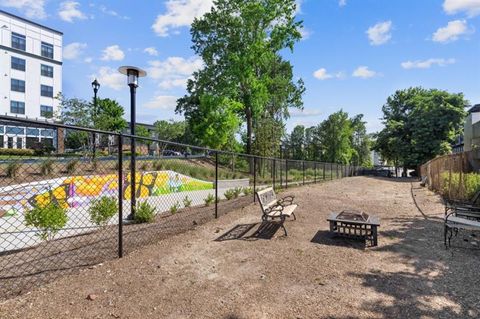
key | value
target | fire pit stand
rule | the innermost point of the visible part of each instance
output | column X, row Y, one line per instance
column 354, row 224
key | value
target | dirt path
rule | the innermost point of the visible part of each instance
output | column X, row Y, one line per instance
column 305, row 275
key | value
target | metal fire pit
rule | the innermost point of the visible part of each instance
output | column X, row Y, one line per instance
column 355, row 224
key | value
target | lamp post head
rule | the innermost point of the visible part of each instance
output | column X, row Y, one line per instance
column 132, row 73
column 95, row 86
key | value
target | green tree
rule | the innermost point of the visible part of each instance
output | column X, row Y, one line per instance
column 360, row 142
column 334, row 138
column 171, row 130
column 109, row 116
column 419, row 125
column 240, row 43
column 297, row 142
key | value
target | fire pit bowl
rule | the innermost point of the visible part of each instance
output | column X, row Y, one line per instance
column 355, row 224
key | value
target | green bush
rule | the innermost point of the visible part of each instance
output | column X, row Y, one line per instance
column 187, row 202
column 464, row 188
column 16, row 152
column 157, row 165
column 12, row 169
column 49, row 220
column 144, row 213
column 210, row 199
column 247, row 191
column 102, row 210
column 94, row 164
column 237, row 191
column 229, row 194
column 72, row 166
column 144, row 166
column 46, row 167
column 174, row 208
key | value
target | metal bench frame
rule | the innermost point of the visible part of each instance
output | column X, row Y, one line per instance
column 455, row 221
column 273, row 208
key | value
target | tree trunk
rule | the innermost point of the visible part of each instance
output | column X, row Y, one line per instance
column 248, row 115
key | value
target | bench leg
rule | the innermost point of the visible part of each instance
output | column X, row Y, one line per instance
column 374, row 236
column 294, row 217
column 445, row 230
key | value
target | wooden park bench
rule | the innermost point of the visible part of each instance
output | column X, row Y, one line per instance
column 274, row 208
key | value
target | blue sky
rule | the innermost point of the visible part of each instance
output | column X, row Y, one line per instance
column 355, row 53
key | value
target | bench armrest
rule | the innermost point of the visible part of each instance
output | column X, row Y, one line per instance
column 288, row 199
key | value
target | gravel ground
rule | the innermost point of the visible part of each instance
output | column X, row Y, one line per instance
column 265, row 275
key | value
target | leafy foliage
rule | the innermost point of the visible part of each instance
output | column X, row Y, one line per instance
column 12, row 169
column 244, row 78
column 46, row 167
column 102, row 210
column 48, row 219
column 419, row 125
column 144, row 213
column 72, row 166
column 174, row 208
column 187, row 202
column 210, row 199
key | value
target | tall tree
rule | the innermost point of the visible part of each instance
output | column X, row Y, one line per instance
column 334, row 136
column 419, row 125
column 360, row 141
column 240, row 43
column 109, row 116
column 173, row 131
column 297, row 142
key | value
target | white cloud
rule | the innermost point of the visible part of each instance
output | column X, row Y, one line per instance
column 174, row 71
column 31, row 8
column 471, row 7
column 342, row 3
column 380, row 33
column 180, row 13
column 426, row 64
column 364, row 72
column 151, row 51
column 88, row 59
column 69, row 11
column 162, row 102
column 451, row 32
column 322, row 74
column 109, row 77
column 113, row 53
column 112, row 13
column 73, row 50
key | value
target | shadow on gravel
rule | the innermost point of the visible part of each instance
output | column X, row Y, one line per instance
column 437, row 283
column 324, row 237
column 265, row 230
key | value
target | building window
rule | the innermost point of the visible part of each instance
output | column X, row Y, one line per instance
column 46, row 90
column 33, row 132
column 46, row 111
column 18, row 64
column 17, row 85
column 15, row 130
column 17, row 107
column 31, row 142
column 19, row 142
column 47, row 70
column 47, row 133
column 47, row 50
column 18, row 41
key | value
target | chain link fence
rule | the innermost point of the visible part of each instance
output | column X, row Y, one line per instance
column 65, row 209
column 453, row 176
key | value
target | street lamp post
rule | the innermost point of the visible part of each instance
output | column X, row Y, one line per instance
column 95, row 87
column 132, row 73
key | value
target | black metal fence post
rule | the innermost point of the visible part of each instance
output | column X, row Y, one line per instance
column 254, row 178
column 324, row 171
column 286, row 173
column 274, row 166
column 315, row 171
column 303, row 167
column 216, row 185
column 331, row 171
column 120, row 196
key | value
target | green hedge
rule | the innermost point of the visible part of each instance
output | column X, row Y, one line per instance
column 463, row 188
column 16, row 152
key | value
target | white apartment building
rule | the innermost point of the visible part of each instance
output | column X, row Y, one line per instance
column 30, row 79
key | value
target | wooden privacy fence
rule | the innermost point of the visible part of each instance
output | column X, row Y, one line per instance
column 452, row 175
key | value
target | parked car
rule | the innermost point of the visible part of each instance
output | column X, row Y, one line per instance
column 171, row 153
